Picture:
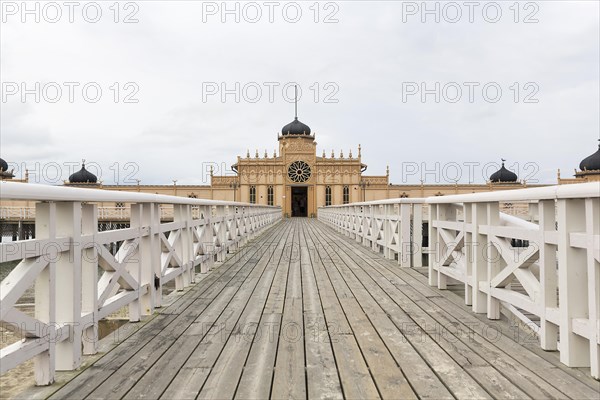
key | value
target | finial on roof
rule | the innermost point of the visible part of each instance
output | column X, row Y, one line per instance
column 295, row 101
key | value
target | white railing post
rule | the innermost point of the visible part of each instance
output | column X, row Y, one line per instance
column 149, row 254
column 179, row 217
column 592, row 211
column 493, row 260
column 387, row 232
column 433, row 256
column 417, row 248
column 468, row 239
column 134, row 262
column 367, row 217
column 235, row 228
column 573, row 285
column 182, row 213
column 375, row 227
column 45, row 296
column 89, row 278
column 405, row 239
column 222, row 232
column 206, row 240
column 548, row 275
column 68, row 285
column 477, row 247
column 445, row 212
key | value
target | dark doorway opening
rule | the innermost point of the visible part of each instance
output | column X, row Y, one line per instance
column 299, row 202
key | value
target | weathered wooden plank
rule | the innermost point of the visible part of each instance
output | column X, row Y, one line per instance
column 353, row 371
column 356, row 380
column 289, row 380
column 519, row 366
column 185, row 384
column 221, row 315
column 423, row 380
column 461, row 384
column 321, row 371
column 257, row 375
column 389, row 378
column 227, row 370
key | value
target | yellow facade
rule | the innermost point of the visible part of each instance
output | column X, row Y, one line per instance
column 299, row 181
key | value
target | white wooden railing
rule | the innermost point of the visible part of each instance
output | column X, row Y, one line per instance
column 104, row 213
column 551, row 282
column 63, row 263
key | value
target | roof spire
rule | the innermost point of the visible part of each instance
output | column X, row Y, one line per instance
column 295, row 101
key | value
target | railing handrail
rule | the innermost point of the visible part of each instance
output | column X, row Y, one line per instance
column 577, row 190
column 37, row 192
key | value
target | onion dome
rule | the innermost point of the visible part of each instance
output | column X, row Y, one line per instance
column 3, row 165
column 591, row 163
column 295, row 128
column 503, row 175
column 83, row 176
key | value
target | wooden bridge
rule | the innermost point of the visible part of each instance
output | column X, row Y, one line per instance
column 302, row 311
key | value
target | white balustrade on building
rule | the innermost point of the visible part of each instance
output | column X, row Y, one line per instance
column 64, row 259
column 549, row 269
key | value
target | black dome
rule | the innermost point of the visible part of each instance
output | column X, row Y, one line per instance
column 295, row 128
column 503, row 175
column 83, row 176
column 3, row 165
column 591, row 163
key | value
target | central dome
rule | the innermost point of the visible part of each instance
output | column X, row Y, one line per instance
column 295, row 128
column 591, row 163
column 83, row 176
column 503, row 175
column 3, row 166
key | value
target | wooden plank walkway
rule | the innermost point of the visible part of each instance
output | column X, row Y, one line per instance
column 302, row 312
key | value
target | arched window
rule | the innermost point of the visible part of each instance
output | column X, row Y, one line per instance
column 270, row 195
column 346, row 198
column 328, row 196
column 253, row 194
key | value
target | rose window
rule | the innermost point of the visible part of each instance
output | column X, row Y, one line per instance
column 299, row 171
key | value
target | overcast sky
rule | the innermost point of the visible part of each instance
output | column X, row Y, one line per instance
column 367, row 62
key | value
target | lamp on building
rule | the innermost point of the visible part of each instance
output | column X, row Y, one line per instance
column 364, row 185
column 234, row 185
